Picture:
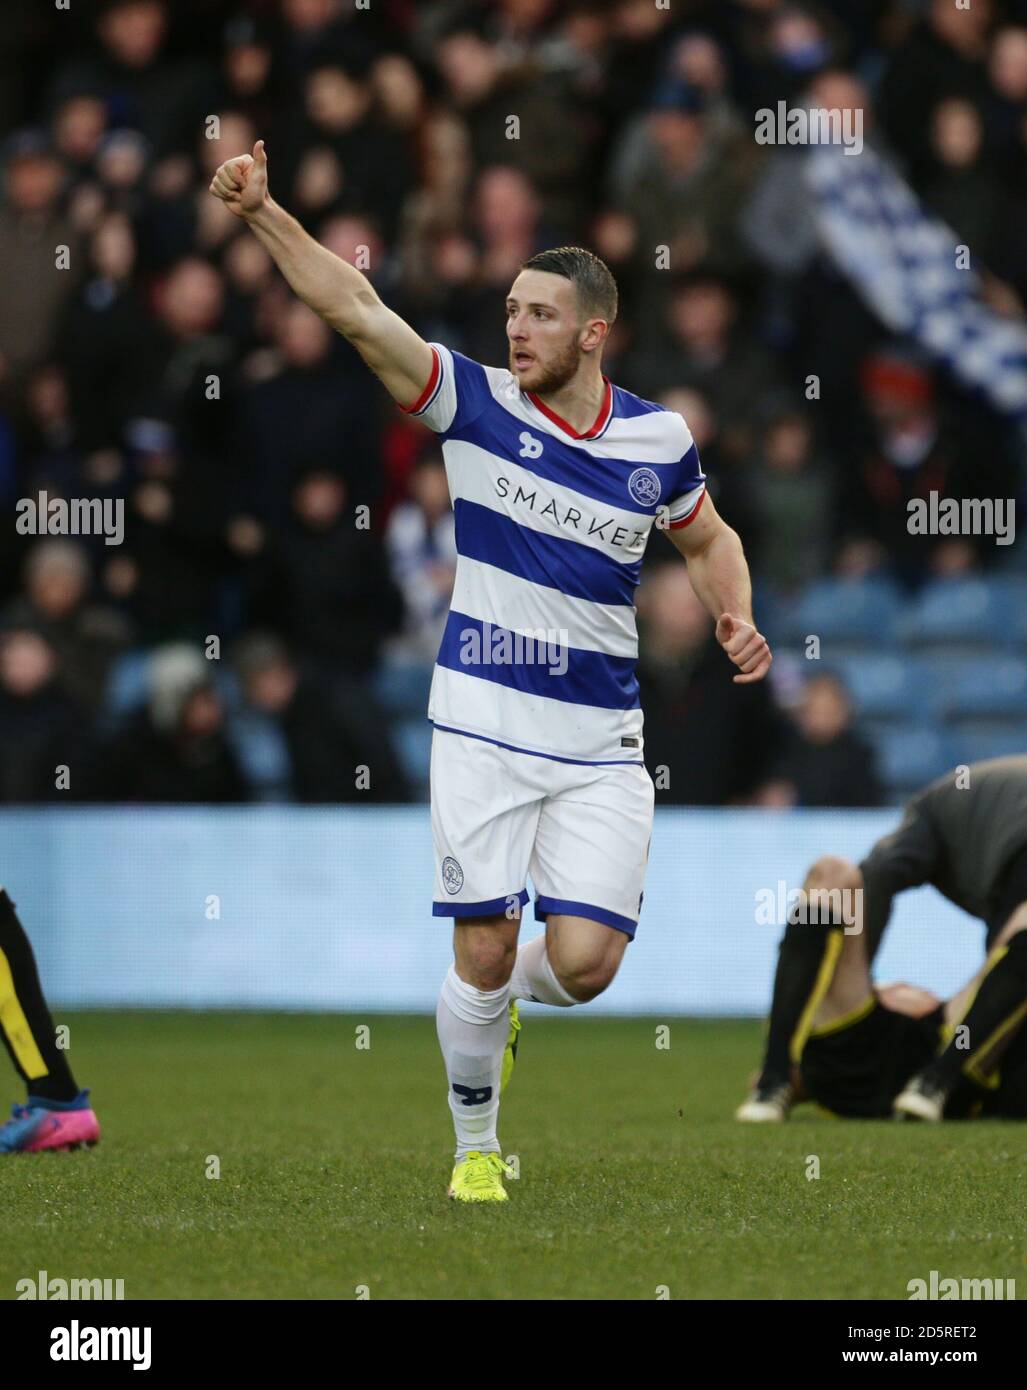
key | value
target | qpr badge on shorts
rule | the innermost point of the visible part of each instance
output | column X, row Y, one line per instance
column 452, row 875
column 645, row 487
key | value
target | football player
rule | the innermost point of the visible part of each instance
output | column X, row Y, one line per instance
column 558, row 478
column 56, row 1114
column 869, row 1045
column 966, row 835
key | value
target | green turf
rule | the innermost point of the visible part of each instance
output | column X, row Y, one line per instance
column 634, row 1177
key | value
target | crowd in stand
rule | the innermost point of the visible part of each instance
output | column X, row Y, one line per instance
column 277, row 502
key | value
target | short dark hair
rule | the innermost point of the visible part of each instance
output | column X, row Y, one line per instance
column 597, row 289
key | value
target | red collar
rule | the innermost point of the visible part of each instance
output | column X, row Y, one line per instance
column 598, row 425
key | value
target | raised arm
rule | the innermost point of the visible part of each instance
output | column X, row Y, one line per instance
column 337, row 291
column 720, row 578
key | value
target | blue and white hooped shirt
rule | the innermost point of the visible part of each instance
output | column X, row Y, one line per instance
column 540, row 647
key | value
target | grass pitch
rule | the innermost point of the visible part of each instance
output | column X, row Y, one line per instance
column 634, row 1177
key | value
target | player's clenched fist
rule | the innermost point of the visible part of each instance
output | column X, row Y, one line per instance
column 241, row 183
column 746, row 647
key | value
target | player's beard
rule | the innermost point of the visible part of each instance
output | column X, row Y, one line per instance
column 557, row 371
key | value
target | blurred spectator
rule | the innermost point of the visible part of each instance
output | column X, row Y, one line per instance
column 141, row 84
column 78, row 127
column 44, row 739
column 1006, row 127
column 33, row 228
column 714, row 739
column 907, row 458
column 777, row 222
column 824, row 763
column 421, row 543
column 313, row 411
column 793, row 43
column 341, row 146
column 248, row 274
column 179, row 361
column 86, row 637
column 332, row 750
column 912, row 453
column 104, row 324
column 707, row 350
column 324, row 581
column 1006, row 104
column 49, row 432
column 506, row 228
column 943, row 57
column 486, row 83
column 435, row 207
column 725, row 477
column 166, row 573
column 790, row 503
column 683, row 178
column 316, row 28
column 175, row 749
column 962, row 190
column 248, row 79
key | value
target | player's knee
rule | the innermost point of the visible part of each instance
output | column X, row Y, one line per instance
column 585, row 985
column 1016, row 925
column 1014, row 939
column 486, row 955
column 832, row 871
column 490, row 968
column 586, row 980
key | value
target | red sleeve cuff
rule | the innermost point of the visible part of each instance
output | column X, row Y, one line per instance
column 425, row 396
column 686, row 521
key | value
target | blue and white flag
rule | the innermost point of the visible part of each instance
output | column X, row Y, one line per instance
column 903, row 263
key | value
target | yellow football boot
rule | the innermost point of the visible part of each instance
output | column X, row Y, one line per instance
column 510, row 1055
column 479, row 1178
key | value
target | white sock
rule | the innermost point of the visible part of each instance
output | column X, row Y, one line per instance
column 534, row 977
column 473, row 1026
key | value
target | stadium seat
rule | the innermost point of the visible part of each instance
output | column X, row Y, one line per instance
column 403, row 689
column 844, row 614
column 910, row 755
column 412, row 738
column 976, row 744
column 884, row 686
column 126, row 682
column 772, row 609
column 875, row 731
column 966, row 613
column 945, row 667
column 993, row 687
column 1011, row 589
column 263, row 754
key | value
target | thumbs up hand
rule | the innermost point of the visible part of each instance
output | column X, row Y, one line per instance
column 241, row 183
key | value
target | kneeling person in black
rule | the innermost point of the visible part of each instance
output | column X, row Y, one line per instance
column 867, row 1045
column 966, row 835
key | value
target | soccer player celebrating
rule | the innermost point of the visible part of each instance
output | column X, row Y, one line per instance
column 557, row 478
column 56, row 1115
column 966, row 835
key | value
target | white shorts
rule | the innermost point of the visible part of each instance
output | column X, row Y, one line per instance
column 581, row 831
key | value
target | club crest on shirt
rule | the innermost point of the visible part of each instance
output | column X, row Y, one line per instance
column 644, row 487
column 452, row 875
